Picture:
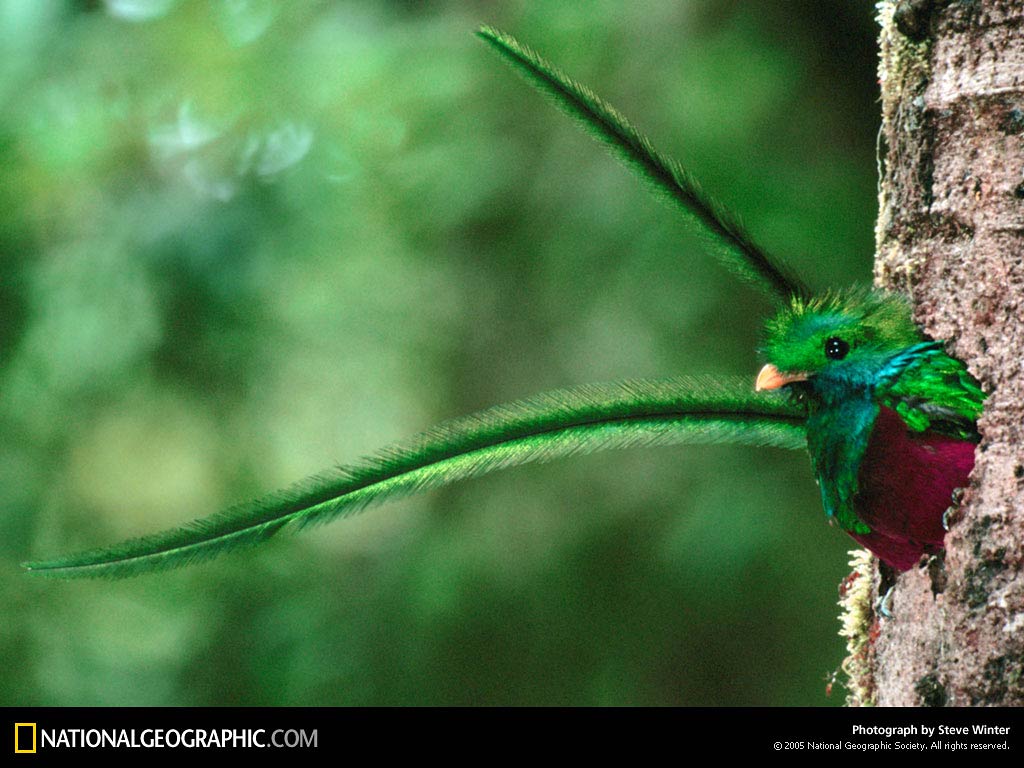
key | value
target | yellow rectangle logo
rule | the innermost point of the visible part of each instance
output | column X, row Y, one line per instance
column 21, row 738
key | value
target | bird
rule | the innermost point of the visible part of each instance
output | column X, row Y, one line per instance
column 888, row 417
column 891, row 417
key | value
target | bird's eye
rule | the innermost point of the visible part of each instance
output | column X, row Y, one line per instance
column 836, row 348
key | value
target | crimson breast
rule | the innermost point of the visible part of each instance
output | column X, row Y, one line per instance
column 904, row 486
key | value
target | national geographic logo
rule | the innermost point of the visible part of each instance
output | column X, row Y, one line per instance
column 28, row 738
column 24, row 738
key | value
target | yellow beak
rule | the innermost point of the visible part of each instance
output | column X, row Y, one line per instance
column 771, row 377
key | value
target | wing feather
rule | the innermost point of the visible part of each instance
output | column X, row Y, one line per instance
column 931, row 390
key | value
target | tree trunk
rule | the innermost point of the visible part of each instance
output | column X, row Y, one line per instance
column 950, row 234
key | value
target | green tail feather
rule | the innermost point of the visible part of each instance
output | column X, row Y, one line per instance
column 555, row 425
column 731, row 243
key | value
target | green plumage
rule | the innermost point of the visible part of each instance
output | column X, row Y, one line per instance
column 551, row 426
column 935, row 392
column 794, row 338
column 888, row 354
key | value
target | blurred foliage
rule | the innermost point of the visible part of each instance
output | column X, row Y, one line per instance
column 244, row 239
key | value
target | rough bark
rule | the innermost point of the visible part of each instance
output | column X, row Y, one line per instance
column 951, row 234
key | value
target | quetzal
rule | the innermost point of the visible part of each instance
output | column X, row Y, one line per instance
column 888, row 417
column 892, row 419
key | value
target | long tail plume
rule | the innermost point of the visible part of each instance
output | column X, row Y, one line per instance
column 551, row 426
column 726, row 237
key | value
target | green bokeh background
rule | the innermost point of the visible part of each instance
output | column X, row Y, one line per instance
column 244, row 240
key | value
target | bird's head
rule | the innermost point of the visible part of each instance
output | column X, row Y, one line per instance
column 837, row 343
